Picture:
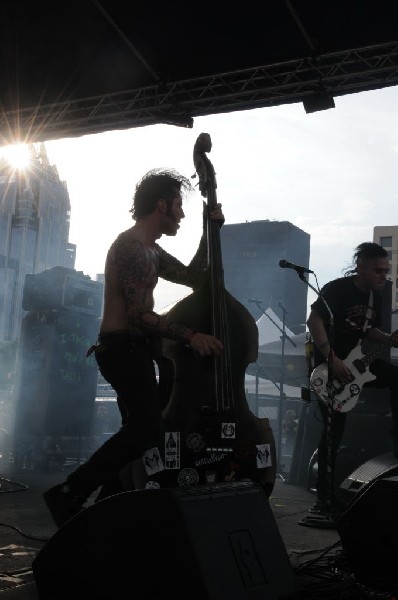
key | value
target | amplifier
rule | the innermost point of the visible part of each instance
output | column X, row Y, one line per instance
column 217, row 542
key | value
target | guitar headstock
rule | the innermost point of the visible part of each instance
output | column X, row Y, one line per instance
column 204, row 168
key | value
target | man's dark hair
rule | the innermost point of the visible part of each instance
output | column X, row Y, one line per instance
column 155, row 185
column 365, row 251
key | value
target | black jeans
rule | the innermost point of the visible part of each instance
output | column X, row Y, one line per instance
column 387, row 376
column 127, row 364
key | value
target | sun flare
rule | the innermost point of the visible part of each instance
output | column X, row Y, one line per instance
column 17, row 156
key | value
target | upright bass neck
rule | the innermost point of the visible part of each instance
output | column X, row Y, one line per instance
column 208, row 187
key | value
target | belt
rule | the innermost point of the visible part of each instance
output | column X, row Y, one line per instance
column 118, row 336
column 122, row 335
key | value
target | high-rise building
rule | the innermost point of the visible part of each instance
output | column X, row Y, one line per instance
column 387, row 236
column 34, row 231
column 251, row 255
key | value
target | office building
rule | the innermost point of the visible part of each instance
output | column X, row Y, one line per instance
column 251, row 255
column 34, row 231
column 387, row 236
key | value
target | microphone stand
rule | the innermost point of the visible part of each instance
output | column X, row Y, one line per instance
column 261, row 369
column 284, row 337
column 325, row 521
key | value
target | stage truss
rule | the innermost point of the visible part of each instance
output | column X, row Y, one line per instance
column 178, row 102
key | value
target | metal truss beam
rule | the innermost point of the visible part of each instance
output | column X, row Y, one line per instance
column 179, row 102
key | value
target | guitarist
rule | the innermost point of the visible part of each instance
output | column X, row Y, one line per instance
column 355, row 302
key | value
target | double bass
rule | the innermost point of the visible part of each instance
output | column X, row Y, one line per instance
column 210, row 434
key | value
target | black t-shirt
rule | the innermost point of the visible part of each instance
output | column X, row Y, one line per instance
column 349, row 307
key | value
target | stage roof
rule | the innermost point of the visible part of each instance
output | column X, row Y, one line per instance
column 70, row 68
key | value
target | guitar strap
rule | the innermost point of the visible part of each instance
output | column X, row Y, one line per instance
column 330, row 409
column 367, row 317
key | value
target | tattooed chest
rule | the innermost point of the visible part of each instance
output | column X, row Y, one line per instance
column 152, row 268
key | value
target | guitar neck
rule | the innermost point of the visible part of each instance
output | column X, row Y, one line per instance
column 371, row 356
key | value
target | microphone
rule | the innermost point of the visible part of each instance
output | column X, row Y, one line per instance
column 284, row 264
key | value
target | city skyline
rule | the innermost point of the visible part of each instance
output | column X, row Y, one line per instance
column 34, row 233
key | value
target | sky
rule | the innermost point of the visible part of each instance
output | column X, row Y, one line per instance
column 332, row 173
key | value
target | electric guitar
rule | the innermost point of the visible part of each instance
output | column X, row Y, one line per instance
column 344, row 396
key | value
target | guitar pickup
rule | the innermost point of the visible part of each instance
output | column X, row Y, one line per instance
column 217, row 449
column 359, row 365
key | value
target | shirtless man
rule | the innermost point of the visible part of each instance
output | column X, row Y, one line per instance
column 130, row 330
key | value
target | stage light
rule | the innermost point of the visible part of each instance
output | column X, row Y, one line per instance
column 318, row 101
column 174, row 119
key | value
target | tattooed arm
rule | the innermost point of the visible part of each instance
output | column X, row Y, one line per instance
column 136, row 270
column 194, row 274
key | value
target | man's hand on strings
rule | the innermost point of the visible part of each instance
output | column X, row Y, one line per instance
column 205, row 344
column 218, row 215
column 215, row 215
column 340, row 370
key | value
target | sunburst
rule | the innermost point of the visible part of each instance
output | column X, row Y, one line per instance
column 18, row 156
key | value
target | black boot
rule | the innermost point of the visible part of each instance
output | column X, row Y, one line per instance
column 321, row 507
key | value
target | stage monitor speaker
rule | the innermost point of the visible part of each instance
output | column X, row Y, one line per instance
column 381, row 466
column 217, row 542
column 369, row 534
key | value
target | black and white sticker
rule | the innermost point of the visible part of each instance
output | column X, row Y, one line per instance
column 195, row 442
column 172, row 458
column 264, row 458
column 152, row 485
column 153, row 461
column 228, row 431
column 188, row 477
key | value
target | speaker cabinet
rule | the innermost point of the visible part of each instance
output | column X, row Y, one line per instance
column 217, row 542
column 384, row 465
column 61, row 287
column 57, row 382
column 369, row 534
column 366, row 434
